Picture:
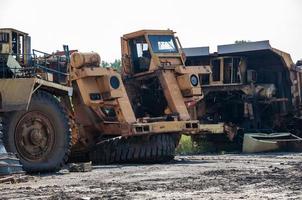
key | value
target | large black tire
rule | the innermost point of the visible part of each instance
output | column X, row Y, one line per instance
column 40, row 136
column 137, row 149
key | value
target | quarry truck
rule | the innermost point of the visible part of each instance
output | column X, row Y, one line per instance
column 63, row 107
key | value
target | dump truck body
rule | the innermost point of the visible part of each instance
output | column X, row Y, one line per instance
column 261, row 142
column 252, row 85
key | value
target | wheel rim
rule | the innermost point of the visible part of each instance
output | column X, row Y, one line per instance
column 34, row 136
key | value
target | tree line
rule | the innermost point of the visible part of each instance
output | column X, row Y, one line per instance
column 116, row 64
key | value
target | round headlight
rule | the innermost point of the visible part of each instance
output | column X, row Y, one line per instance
column 194, row 80
column 114, row 82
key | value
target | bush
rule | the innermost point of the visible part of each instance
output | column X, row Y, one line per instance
column 186, row 146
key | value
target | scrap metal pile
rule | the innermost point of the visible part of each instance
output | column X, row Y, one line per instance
column 64, row 107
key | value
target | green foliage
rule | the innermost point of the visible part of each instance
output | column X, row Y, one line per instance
column 186, row 146
column 105, row 64
column 115, row 65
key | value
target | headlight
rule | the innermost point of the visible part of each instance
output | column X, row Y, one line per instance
column 194, row 80
column 114, row 82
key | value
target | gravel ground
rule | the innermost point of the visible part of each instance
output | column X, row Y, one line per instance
column 229, row 176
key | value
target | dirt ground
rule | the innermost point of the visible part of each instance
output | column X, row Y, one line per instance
column 231, row 176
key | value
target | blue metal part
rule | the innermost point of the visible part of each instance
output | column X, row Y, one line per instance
column 2, row 148
column 46, row 69
column 52, row 63
column 9, row 164
column 67, row 53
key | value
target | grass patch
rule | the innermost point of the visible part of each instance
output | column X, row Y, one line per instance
column 187, row 146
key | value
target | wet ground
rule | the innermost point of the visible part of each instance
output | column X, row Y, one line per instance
column 232, row 176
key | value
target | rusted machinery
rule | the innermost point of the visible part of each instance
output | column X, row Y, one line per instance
column 57, row 108
column 261, row 142
column 158, row 81
column 106, row 124
column 156, row 78
column 255, row 89
column 251, row 85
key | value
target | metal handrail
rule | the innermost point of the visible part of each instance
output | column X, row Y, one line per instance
column 30, row 68
column 34, row 50
column 51, row 70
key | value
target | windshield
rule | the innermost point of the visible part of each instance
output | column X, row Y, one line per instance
column 163, row 43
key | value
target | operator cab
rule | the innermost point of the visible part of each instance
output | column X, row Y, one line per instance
column 16, row 43
column 148, row 50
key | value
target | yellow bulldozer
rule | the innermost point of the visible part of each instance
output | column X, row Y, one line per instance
column 64, row 106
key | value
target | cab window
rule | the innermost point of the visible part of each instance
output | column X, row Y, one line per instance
column 140, row 54
column 4, row 37
column 163, row 43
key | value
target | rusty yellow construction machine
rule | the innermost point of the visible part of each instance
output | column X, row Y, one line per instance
column 59, row 107
column 155, row 76
column 158, row 81
column 230, row 94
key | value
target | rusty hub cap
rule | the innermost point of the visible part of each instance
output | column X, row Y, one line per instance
column 34, row 136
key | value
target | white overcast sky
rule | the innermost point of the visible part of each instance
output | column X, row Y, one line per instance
column 95, row 25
